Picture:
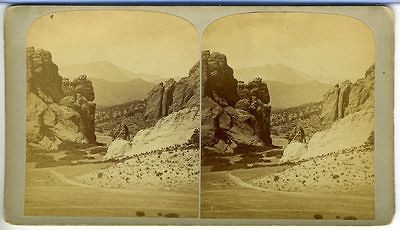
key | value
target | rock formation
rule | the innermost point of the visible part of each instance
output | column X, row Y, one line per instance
column 348, row 113
column 171, row 96
column 175, row 129
column 218, row 77
column 154, row 103
column 42, row 74
column 347, row 98
column 233, row 114
column 58, row 110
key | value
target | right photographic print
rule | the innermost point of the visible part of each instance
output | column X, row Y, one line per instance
column 288, row 117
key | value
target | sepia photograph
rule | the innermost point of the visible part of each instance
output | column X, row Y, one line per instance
column 288, row 117
column 199, row 115
column 113, row 115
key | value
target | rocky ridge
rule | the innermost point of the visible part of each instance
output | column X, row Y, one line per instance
column 58, row 110
column 171, row 96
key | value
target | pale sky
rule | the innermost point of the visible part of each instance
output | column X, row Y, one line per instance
column 142, row 42
column 317, row 44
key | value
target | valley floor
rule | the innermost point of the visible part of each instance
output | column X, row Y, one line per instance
column 227, row 194
column 51, row 192
column 52, row 189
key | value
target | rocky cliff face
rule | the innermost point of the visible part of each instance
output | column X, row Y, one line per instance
column 348, row 113
column 171, row 96
column 347, row 98
column 233, row 114
column 58, row 110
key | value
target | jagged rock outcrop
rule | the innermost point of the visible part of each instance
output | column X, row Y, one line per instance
column 347, row 98
column 233, row 114
column 58, row 110
column 172, row 96
column 154, row 103
column 187, row 91
column 168, row 96
column 42, row 74
column 218, row 77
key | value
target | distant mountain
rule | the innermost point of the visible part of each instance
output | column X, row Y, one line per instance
column 113, row 92
column 105, row 70
column 285, row 95
column 279, row 72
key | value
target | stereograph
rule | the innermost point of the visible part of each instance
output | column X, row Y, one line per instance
column 199, row 115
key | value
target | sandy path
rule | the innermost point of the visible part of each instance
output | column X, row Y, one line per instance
column 64, row 179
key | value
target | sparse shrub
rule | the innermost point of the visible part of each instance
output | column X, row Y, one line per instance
column 139, row 213
column 337, row 217
column 335, row 177
column 99, row 175
column 276, row 178
column 159, row 214
column 318, row 216
column 172, row 215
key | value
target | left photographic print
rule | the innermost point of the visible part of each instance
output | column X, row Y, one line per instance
column 113, row 116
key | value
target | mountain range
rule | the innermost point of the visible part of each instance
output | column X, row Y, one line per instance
column 287, row 86
column 105, row 70
column 285, row 95
column 114, row 85
column 116, row 92
column 282, row 73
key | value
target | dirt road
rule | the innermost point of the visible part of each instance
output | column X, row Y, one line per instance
column 52, row 192
column 227, row 195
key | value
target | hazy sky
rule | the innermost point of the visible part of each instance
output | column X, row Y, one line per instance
column 318, row 44
column 142, row 42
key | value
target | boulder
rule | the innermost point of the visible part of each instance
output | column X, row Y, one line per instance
column 117, row 149
column 294, row 152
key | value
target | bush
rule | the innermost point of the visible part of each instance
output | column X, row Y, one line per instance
column 139, row 213
column 318, row 216
column 172, row 215
column 349, row 218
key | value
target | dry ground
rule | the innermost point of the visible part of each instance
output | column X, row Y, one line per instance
column 226, row 194
column 51, row 192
